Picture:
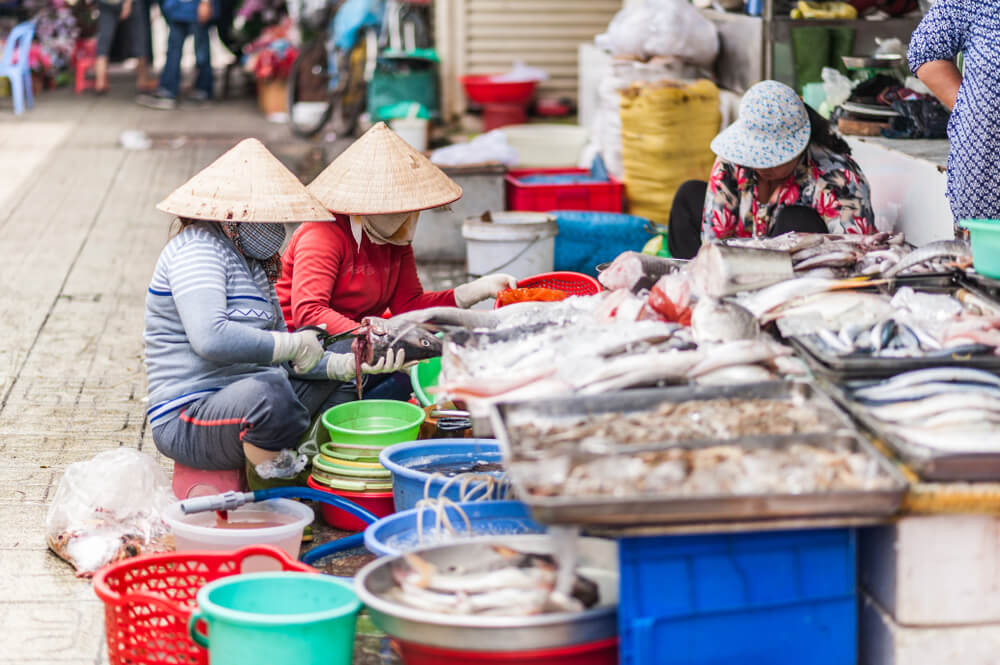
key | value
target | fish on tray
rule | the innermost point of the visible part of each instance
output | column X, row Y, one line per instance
column 515, row 584
column 945, row 409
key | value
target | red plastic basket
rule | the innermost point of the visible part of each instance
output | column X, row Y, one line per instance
column 544, row 197
column 573, row 283
column 148, row 600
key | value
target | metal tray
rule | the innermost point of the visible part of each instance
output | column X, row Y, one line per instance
column 848, row 368
column 929, row 464
column 643, row 510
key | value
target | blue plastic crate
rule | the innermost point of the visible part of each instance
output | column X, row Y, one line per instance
column 587, row 239
column 780, row 598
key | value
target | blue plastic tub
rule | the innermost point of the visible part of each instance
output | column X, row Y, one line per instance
column 780, row 598
column 587, row 239
column 408, row 482
column 398, row 533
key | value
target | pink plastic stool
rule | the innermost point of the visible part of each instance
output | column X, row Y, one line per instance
column 84, row 57
column 190, row 482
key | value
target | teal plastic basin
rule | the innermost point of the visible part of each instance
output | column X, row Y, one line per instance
column 268, row 618
column 985, row 237
column 373, row 422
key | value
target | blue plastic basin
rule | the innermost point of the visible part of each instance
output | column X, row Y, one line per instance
column 408, row 483
column 397, row 533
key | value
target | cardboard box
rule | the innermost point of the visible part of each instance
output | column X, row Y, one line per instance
column 939, row 570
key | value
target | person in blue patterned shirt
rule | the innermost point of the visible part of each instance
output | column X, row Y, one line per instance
column 970, row 27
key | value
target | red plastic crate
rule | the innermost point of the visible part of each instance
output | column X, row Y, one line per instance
column 599, row 196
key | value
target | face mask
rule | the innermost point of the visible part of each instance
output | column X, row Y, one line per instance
column 395, row 229
column 261, row 241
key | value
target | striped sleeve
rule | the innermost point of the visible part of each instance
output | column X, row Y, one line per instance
column 197, row 276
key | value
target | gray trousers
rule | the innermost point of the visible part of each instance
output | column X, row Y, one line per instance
column 269, row 410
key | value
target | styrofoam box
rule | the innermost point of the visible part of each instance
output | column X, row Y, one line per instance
column 885, row 642
column 940, row 570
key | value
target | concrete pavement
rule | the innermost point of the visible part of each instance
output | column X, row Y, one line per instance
column 79, row 236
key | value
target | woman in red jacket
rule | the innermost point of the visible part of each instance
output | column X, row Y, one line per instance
column 362, row 264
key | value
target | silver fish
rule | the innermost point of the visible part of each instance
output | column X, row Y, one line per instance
column 744, row 352
column 933, row 375
column 736, row 374
column 772, row 297
column 961, row 418
column 713, row 321
column 828, row 260
column 936, row 250
column 721, row 271
column 902, row 412
column 884, row 395
column 985, row 439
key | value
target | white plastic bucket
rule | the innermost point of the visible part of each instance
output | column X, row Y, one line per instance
column 198, row 531
column 413, row 131
column 521, row 244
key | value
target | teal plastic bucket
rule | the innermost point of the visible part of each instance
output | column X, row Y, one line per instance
column 269, row 618
column 984, row 235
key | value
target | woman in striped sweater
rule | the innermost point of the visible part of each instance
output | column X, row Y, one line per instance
column 227, row 382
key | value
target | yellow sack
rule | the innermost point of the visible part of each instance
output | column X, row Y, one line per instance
column 667, row 128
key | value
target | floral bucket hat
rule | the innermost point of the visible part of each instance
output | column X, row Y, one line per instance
column 773, row 128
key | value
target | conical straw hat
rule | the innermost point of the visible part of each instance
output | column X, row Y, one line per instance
column 381, row 174
column 247, row 184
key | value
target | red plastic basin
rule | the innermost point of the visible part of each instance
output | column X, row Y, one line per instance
column 604, row 652
column 481, row 90
column 378, row 503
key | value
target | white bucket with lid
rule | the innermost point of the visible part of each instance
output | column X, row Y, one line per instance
column 521, row 244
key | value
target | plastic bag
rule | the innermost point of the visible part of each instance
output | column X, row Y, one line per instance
column 489, row 147
column 109, row 508
column 836, row 86
column 670, row 28
column 521, row 73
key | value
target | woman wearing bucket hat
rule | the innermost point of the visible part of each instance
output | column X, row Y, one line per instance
column 227, row 381
column 780, row 168
column 362, row 264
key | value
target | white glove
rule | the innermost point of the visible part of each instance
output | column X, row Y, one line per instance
column 340, row 366
column 488, row 286
column 302, row 348
column 388, row 364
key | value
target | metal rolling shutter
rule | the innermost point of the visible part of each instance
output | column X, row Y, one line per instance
column 543, row 33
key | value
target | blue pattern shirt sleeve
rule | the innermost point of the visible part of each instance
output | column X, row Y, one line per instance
column 940, row 35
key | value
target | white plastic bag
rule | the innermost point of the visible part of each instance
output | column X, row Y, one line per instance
column 836, row 86
column 109, row 508
column 669, row 28
column 489, row 147
column 521, row 73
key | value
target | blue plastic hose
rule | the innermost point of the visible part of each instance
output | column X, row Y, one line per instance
column 316, row 495
column 341, row 545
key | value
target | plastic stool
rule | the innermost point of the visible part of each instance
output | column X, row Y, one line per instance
column 190, row 482
column 84, row 57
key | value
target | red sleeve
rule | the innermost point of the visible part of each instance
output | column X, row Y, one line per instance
column 409, row 294
column 318, row 256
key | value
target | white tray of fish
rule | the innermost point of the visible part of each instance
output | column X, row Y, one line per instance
column 944, row 422
column 681, row 455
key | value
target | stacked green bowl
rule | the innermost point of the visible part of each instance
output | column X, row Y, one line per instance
column 359, row 431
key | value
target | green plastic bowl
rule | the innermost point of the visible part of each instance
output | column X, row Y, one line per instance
column 373, row 422
column 985, row 237
column 423, row 376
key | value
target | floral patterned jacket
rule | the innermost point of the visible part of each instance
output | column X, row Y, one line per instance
column 826, row 181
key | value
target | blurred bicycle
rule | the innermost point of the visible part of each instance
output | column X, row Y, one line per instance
column 330, row 76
